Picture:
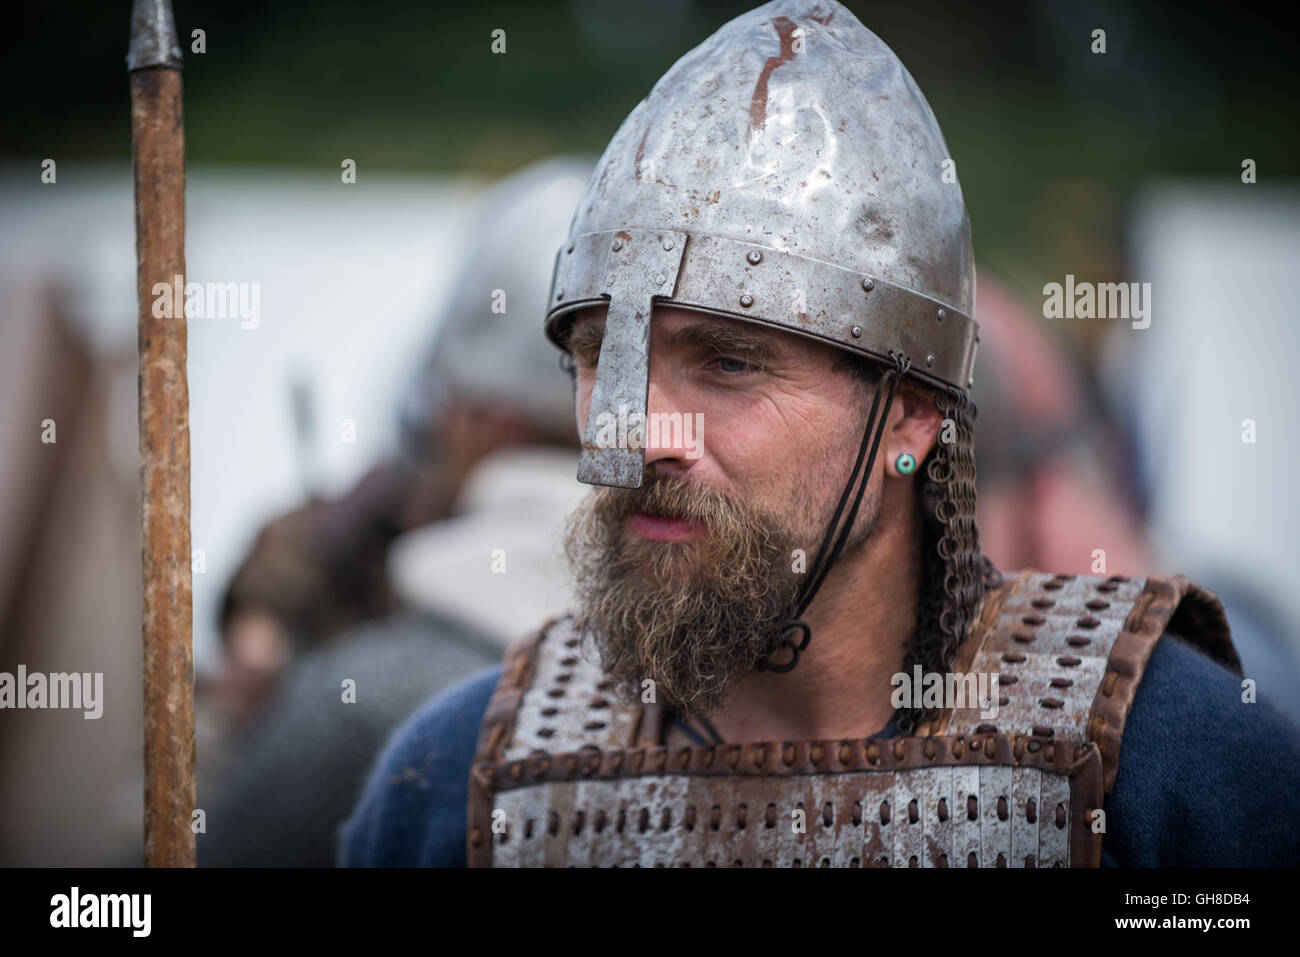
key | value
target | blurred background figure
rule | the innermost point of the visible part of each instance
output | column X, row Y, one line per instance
column 69, row 561
column 71, row 788
column 1053, row 481
column 1063, row 482
column 452, row 548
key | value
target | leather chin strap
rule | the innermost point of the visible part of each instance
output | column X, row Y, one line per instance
column 827, row 554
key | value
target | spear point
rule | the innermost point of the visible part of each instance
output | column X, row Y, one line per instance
column 153, row 37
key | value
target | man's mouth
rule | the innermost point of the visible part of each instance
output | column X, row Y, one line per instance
column 661, row 529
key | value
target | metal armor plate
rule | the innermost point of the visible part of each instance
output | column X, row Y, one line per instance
column 566, row 775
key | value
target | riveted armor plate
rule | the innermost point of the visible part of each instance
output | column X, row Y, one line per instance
column 566, row 774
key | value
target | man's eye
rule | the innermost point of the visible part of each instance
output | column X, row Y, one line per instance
column 732, row 366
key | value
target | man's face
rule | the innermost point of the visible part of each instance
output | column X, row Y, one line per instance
column 688, row 580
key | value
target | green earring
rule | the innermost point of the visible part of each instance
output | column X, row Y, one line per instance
column 906, row 464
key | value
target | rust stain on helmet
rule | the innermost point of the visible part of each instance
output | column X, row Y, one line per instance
column 640, row 157
column 785, row 28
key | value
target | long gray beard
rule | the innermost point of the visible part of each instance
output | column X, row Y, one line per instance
column 689, row 616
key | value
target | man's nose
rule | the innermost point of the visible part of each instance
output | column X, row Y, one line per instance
column 667, row 446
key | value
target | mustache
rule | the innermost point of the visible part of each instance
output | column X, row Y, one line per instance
column 667, row 497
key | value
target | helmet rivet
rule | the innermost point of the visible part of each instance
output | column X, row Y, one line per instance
column 868, row 284
column 970, row 382
column 660, row 279
column 570, row 249
column 609, row 280
column 746, row 300
column 929, row 360
column 942, row 315
column 618, row 244
column 559, row 294
column 857, row 332
column 754, row 257
column 668, row 244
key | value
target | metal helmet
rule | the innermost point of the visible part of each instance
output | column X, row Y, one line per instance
column 787, row 171
column 482, row 353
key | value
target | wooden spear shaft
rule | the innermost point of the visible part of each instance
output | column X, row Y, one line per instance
column 158, row 158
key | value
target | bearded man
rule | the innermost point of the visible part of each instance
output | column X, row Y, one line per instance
column 766, row 301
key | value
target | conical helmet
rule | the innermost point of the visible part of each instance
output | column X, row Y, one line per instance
column 787, row 171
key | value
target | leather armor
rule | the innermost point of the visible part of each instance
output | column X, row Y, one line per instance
column 566, row 775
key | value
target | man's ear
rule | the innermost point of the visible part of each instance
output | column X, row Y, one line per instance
column 916, row 431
